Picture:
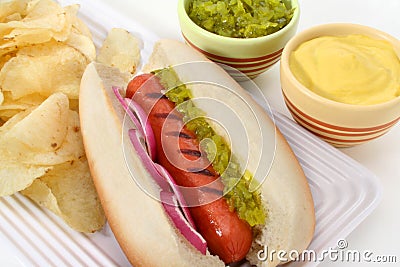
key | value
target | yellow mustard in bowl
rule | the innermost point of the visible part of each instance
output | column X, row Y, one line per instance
column 352, row 69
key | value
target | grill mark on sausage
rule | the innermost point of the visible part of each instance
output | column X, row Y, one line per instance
column 180, row 135
column 191, row 152
column 167, row 115
column 211, row 190
column 156, row 95
column 200, row 171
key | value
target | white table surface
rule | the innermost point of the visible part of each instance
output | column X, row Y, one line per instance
column 380, row 232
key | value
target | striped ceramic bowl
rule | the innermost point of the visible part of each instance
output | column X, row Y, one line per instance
column 251, row 56
column 340, row 124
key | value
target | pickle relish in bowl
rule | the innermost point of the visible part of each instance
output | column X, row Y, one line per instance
column 240, row 18
column 249, row 35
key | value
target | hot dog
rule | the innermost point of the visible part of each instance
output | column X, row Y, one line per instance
column 226, row 234
column 139, row 222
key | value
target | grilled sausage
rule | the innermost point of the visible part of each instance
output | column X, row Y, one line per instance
column 178, row 151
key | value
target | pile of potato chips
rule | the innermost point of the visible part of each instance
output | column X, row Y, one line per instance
column 44, row 49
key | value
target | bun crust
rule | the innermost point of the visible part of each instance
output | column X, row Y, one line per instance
column 139, row 222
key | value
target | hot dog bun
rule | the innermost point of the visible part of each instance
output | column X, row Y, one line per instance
column 138, row 221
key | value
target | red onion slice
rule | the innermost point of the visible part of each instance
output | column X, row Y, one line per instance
column 126, row 108
column 181, row 200
column 173, row 203
column 147, row 161
column 161, row 176
column 139, row 118
column 181, row 223
column 148, row 131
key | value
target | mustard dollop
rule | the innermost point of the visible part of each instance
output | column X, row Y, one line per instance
column 352, row 69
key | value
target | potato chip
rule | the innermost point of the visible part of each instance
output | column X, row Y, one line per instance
column 74, row 104
column 5, row 54
column 29, row 100
column 34, row 140
column 83, row 44
column 44, row 69
column 41, row 194
column 5, row 115
column 10, row 9
column 5, row 57
column 42, row 21
column 78, row 35
column 43, row 130
column 68, row 191
column 12, row 116
column 15, row 176
column 78, row 26
column 121, row 50
column 70, row 15
column 70, row 149
column 10, row 107
column 46, row 14
column 15, row 16
column 13, row 121
column 47, row 135
column 28, row 36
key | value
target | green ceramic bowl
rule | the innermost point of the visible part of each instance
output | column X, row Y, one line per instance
column 252, row 56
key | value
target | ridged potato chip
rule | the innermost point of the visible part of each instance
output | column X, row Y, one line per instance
column 78, row 25
column 79, row 36
column 33, row 141
column 71, row 148
column 47, row 135
column 21, row 103
column 6, row 114
column 43, row 130
column 45, row 15
column 83, row 44
column 10, row 107
column 14, row 120
column 4, row 59
column 74, row 104
column 28, row 36
column 42, row 21
column 68, row 191
column 39, row 192
column 12, row 10
column 44, row 69
column 120, row 49
column 15, row 176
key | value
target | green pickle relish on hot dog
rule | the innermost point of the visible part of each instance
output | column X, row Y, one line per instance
column 236, row 182
column 240, row 18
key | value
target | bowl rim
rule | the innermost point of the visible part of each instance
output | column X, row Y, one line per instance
column 182, row 15
column 318, row 31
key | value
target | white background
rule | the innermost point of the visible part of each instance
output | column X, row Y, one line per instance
column 380, row 232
